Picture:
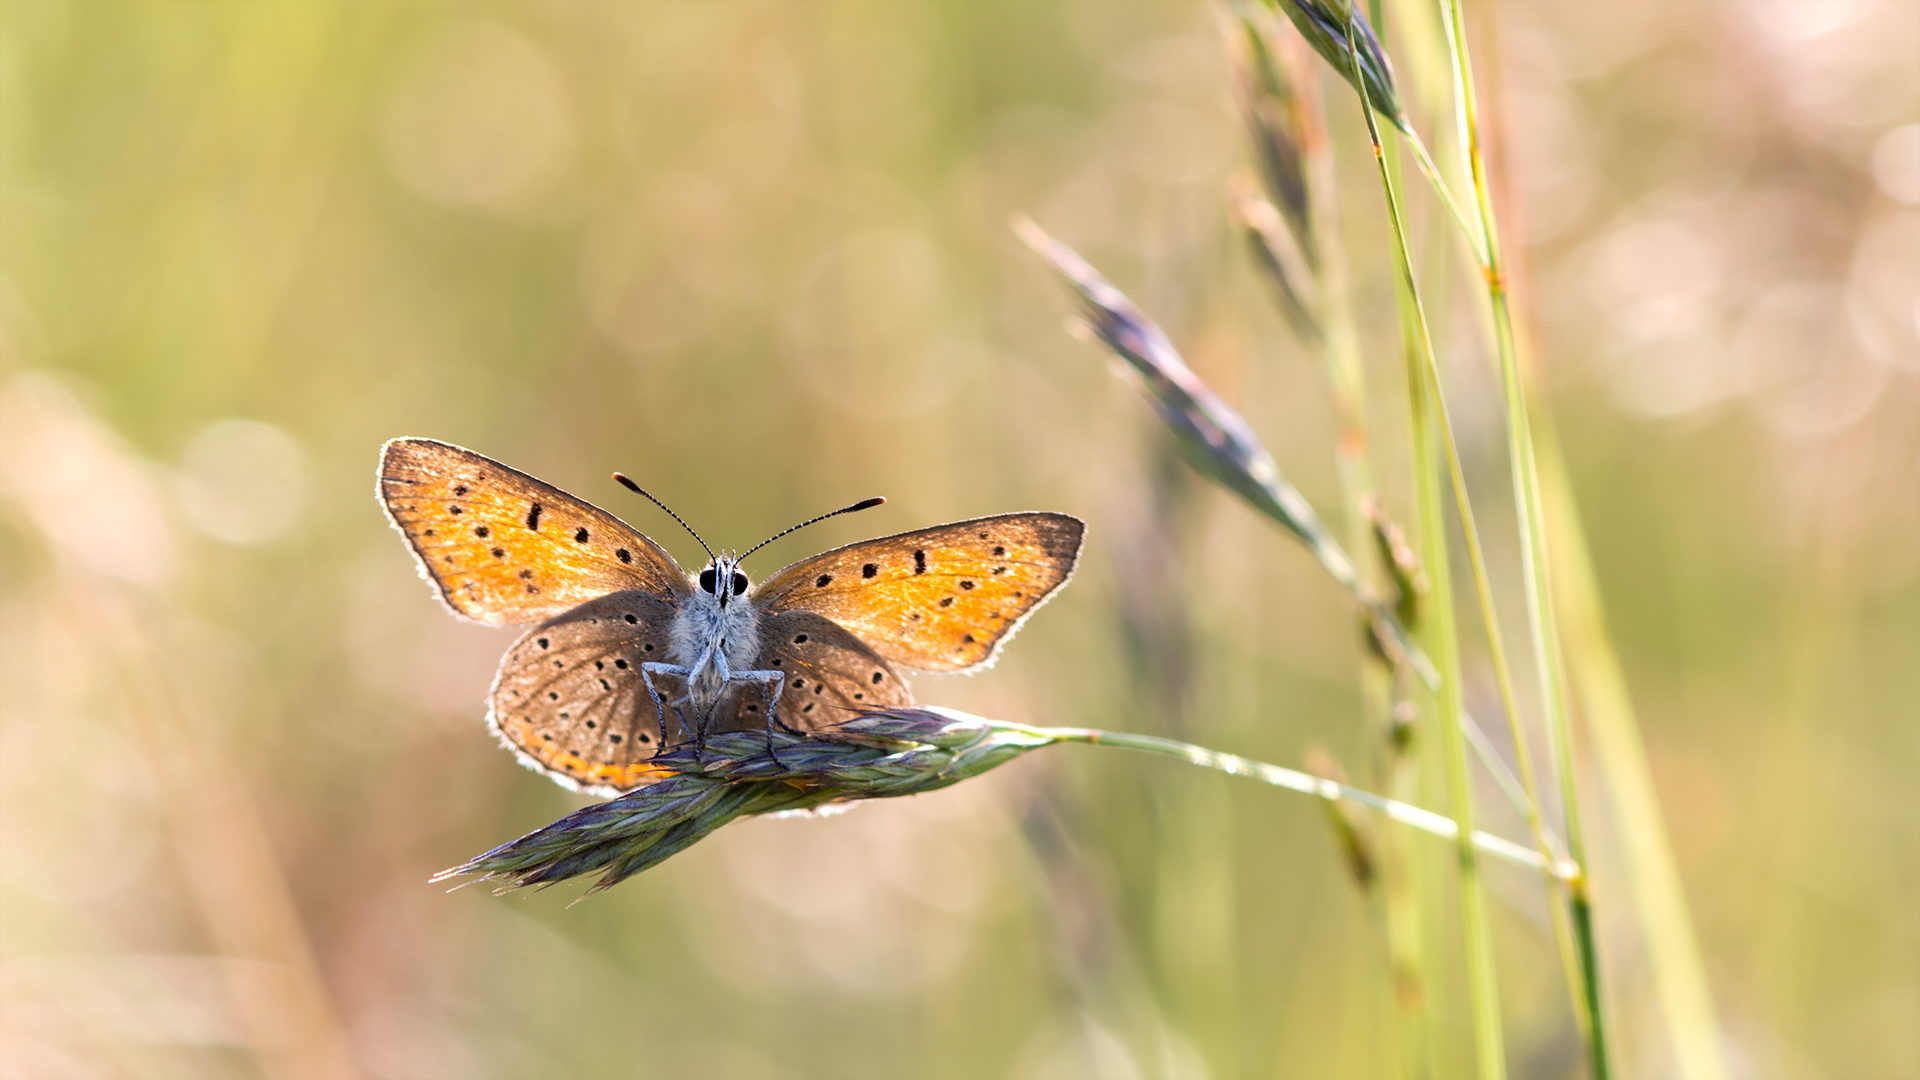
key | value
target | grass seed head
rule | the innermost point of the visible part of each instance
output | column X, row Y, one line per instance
column 1402, row 725
column 1400, row 562
column 1352, row 829
column 1279, row 258
column 877, row 755
column 1214, row 438
column 1279, row 121
column 1324, row 25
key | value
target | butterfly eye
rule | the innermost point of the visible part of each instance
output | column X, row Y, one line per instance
column 707, row 579
column 739, row 583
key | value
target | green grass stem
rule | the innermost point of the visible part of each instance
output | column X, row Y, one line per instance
column 1440, row 635
column 1399, row 885
column 1541, row 620
column 1565, row 926
column 1431, row 170
column 1426, row 821
column 1428, row 428
column 1400, row 892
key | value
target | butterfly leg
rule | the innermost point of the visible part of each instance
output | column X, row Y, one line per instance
column 773, row 718
column 772, row 682
column 647, row 672
column 695, row 730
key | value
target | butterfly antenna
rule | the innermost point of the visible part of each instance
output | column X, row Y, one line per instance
column 863, row 504
column 638, row 490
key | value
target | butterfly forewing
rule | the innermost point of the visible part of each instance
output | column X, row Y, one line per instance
column 939, row 599
column 831, row 677
column 504, row 548
column 569, row 697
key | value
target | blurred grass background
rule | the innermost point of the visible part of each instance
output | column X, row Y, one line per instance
column 755, row 255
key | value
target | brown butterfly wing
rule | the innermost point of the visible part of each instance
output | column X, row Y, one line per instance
column 504, row 548
column 569, row 699
column 939, row 599
column 832, row 676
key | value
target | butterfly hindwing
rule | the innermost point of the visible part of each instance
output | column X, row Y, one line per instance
column 831, row 676
column 570, row 701
column 504, row 548
column 939, row 599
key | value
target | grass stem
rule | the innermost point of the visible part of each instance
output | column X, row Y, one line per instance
column 1428, row 426
column 1400, row 886
column 1431, row 170
column 1550, row 673
column 1422, row 819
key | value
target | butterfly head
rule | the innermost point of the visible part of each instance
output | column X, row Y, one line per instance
column 723, row 580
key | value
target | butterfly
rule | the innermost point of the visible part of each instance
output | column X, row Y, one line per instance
column 631, row 654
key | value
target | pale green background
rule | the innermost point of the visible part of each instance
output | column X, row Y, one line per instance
column 755, row 255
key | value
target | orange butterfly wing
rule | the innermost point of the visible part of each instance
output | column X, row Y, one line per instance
column 939, row 599
column 504, row 548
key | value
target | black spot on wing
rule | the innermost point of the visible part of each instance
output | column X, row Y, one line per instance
column 533, row 518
